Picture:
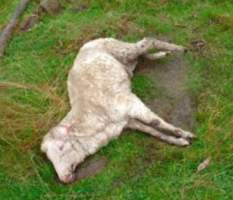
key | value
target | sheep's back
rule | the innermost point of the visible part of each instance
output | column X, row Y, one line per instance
column 95, row 83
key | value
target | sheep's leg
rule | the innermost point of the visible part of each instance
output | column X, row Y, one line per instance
column 158, row 55
column 147, row 44
column 125, row 52
column 128, row 53
column 135, row 124
column 138, row 110
column 161, row 45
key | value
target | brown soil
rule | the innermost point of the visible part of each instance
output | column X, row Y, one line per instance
column 174, row 103
column 90, row 167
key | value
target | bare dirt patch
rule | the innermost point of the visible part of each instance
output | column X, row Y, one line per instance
column 91, row 167
column 174, row 103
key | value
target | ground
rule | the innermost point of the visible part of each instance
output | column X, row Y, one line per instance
column 33, row 98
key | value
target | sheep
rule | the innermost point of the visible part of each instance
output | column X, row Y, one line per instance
column 102, row 103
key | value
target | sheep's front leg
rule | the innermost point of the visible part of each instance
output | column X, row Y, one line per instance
column 161, row 45
column 158, row 55
column 135, row 124
column 138, row 110
column 147, row 44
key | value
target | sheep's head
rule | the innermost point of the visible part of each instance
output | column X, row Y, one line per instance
column 64, row 152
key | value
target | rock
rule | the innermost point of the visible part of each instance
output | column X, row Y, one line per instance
column 29, row 22
column 198, row 44
column 52, row 7
column 203, row 164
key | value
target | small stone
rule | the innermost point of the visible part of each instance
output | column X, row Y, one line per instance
column 204, row 164
column 52, row 7
column 198, row 43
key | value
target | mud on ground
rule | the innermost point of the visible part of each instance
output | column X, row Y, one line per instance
column 174, row 103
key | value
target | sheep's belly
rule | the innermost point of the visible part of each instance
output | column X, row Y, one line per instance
column 94, row 142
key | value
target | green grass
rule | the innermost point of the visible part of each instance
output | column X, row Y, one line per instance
column 33, row 98
column 143, row 86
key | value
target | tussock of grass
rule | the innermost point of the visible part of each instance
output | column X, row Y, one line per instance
column 33, row 98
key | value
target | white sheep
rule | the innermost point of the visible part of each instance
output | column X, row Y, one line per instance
column 102, row 103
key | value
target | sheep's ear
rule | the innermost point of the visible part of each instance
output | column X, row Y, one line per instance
column 44, row 146
column 54, row 139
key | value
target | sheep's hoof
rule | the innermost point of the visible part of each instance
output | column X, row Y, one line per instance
column 182, row 142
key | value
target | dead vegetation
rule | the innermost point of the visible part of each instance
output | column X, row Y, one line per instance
column 225, row 22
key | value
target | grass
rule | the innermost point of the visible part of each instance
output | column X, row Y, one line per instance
column 33, row 98
column 143, row 86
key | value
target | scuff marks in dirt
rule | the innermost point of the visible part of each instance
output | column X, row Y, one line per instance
column 174, row 103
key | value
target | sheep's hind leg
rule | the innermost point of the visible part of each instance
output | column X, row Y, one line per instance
column 138, row 110
column 135, row 124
